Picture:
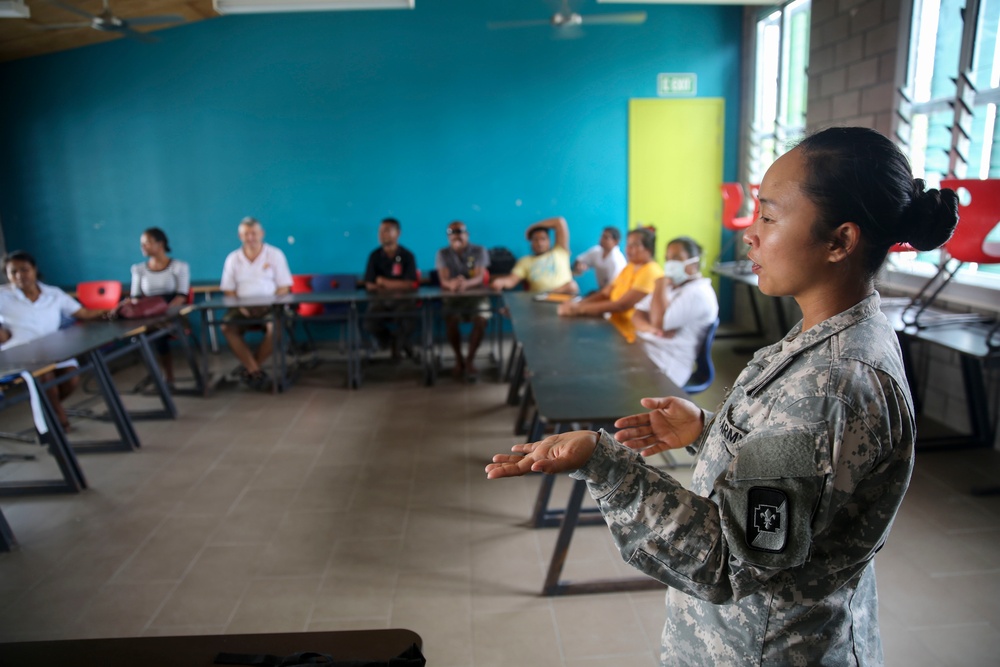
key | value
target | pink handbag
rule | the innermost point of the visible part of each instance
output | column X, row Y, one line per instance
column 144, row 306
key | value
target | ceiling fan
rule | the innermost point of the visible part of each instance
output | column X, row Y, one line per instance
column 106, row 21
column 567, row 19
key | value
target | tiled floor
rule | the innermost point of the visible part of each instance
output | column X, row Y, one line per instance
column 325, row 509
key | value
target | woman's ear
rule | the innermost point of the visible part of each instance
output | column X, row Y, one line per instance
column 844, row 241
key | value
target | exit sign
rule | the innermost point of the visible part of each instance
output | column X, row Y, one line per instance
column 676, row 84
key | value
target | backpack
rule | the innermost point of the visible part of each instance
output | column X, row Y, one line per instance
column 502, row 261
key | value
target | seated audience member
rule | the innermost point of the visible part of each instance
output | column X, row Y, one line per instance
column 164, row 277
column 636, row 280
column 461, row 267
column 673, row 320
column 255, row 269
column 605, row 258
column 30, row 309
column 391, row 268
column 547, row 269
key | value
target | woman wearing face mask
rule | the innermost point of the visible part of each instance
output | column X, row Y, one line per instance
column 673, row 318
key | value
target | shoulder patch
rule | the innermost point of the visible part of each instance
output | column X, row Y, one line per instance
column 767, row 519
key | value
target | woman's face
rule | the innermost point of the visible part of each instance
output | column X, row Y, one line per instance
column 787, row 258
column 676, row 252
column 635, row 251
column 22, row 275
column 149, row 245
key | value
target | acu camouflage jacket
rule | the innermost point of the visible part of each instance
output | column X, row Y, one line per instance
column 798, row 478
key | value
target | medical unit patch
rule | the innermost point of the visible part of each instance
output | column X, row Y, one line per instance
column 767, row 519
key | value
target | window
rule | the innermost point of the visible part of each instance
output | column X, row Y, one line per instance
column 953, row 81
column 780, row 84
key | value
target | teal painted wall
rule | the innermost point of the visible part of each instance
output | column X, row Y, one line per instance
column 321, row 124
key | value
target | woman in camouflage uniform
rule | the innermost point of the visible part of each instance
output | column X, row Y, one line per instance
column 769, row 557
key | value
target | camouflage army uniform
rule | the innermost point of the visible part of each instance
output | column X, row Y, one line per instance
column 798, row 478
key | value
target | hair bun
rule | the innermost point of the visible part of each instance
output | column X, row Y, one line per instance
column 930, row 218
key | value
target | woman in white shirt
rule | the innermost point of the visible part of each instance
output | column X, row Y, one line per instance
column 673, row 319
column 162, row 276
column 30, row 309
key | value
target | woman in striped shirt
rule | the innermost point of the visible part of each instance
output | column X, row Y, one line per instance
column 164, row 277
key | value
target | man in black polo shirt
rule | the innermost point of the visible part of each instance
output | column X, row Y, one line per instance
column 391, row 269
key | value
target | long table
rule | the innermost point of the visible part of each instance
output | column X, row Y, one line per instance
column 281, row 312
column 362, row 646
column 86, row 341
column 580, row 370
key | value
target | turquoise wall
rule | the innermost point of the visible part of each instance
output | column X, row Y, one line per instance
column 321, row 124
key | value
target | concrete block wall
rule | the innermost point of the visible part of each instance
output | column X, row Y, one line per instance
column 857, row 62
column 853, row 64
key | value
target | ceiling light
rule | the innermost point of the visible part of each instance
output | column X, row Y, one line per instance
column 269, row 6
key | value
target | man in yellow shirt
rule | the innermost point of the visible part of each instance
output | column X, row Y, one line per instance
column 618, row 299
column 548, row 268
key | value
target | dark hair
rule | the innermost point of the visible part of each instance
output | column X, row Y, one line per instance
column 691, row 247
column 393, row 222
column 537, row 228
column 614, row 233
column 159, row 236
column 855, row 174
column 647, row 236
column 19, row 256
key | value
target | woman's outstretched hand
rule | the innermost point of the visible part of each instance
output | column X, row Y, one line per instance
column 563, row 452
column 671, row 423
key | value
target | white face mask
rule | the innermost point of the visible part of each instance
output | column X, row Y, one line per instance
column 676, row 270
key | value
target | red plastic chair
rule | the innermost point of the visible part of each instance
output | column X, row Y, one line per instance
column 302, row 284
column 977, row 218
column 978, row 215
column 732, row 202
column 99, row 294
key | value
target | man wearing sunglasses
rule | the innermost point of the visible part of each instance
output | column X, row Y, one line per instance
column 461, row 266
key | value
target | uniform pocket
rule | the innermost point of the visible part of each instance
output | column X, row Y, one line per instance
column 771, row 492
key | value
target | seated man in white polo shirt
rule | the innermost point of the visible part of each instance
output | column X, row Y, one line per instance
column 256, row 269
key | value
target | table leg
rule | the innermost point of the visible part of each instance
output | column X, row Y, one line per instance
column 169, row 410
column 116, row 410
column 516, row 375
column 193, row 363
column 7, row 540
column 72, row 480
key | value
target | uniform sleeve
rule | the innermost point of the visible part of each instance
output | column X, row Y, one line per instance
column 439, row 261
column 182, row 274
column 135, row 288
column 484, row 258
column 778, row 500
column 282, row 274
column 228, row 282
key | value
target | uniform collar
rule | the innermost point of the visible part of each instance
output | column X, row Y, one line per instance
column 774, row 358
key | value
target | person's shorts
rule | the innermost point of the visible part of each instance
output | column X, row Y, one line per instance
column 468, row 308
column 249, row 320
